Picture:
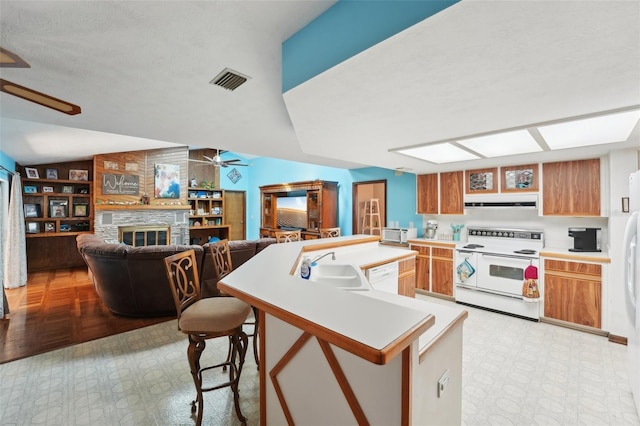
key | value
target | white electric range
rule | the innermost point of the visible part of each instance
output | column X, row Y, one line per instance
column 489, row 268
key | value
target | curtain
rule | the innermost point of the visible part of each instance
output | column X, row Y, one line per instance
column 15, row 252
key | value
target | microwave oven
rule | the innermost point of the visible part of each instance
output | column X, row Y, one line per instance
column 398, row 235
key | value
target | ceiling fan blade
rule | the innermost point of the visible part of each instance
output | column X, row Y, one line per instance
column 200, row 161
column 232, row 161
column 39, row 98
column 211, row 160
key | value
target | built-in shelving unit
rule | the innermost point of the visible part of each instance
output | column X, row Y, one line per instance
column 206, row 214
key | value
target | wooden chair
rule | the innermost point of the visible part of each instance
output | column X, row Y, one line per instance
column 329, row 232
column 223, row 266
column 202, row 319
column 288, row 236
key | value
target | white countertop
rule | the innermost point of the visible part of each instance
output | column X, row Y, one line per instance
column 376, row 322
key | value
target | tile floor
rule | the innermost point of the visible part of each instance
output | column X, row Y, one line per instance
column 515, row 372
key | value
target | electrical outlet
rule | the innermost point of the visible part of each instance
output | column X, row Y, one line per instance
column 442, row 383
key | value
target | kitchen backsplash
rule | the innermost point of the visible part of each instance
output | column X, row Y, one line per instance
column 555, row 228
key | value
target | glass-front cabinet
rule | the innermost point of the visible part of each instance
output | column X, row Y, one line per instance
column 314, row 210
column 268, row 204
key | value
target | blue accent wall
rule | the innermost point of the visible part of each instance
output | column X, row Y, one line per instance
column 401, row 190
column 7, row 162
column 346, row 29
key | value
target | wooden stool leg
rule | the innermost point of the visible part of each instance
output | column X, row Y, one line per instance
column 196, row 346
column 256, row 334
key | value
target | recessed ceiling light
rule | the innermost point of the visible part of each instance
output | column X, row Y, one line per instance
column 604, row 129
column 439, row 153
column 501, row 144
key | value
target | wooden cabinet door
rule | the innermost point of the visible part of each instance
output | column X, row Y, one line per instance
column 451, row 201
column 427, row 193
column 442, row 271
column 407, row 277
column 571, row 188
column 423, row 260
column 572, row 299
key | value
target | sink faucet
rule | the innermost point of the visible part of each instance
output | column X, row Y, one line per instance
column 332, row 253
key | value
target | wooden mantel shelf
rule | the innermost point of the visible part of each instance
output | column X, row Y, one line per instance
column 140, row 207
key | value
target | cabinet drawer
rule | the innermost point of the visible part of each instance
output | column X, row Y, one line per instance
column 593, row 270
column 442, row 252
column 421, row 250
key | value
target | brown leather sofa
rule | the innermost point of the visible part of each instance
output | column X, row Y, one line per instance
column 132, row 281
column 241, row 251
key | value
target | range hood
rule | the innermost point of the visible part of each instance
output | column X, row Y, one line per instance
column 501, row 200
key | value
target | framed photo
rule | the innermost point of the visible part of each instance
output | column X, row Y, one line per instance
column 78, row 174
column 167, row 181
column 47, row 189
column 58, row 208
column 49, row 227
column 67, row 189
column 81, row 210
column 30, row 189
column 32, row 227
column 32, row 210
column 52, row 173
column 111, row 165
column 519, row 178
column 31, row 173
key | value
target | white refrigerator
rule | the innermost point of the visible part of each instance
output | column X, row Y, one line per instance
column 632, row 284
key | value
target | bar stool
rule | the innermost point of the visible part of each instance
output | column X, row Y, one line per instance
column 288, row 236
column 223, row 266
column 202, row 319
column 329, row 232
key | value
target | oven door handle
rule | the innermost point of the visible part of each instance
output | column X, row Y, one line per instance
column 509, row 256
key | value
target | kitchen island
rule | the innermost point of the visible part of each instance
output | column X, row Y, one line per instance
column 334, row 356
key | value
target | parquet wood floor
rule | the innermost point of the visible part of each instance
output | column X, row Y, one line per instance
column 56, row 309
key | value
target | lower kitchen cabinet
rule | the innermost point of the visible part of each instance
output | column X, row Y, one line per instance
column 434, row 269
column 573, row 292
column 407, row 277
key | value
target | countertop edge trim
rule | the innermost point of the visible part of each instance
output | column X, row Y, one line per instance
column 572, row 256
column 436, row 339
column 376, row 356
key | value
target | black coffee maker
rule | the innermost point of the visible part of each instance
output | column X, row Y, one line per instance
column 585, row 239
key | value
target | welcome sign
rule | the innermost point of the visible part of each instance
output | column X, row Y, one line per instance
column 120, row 184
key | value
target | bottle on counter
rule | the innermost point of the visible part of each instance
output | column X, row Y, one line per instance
column 305, row 268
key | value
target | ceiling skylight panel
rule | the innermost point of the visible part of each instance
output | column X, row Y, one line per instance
column 439, row 153
column 590, row 131
column 501, row 144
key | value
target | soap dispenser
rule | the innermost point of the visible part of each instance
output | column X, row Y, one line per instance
column 305, row 268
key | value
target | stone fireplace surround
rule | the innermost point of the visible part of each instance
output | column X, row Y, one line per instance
column 108, row 222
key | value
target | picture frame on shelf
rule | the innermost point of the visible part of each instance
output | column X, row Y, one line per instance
column 58, row 208
column 67, row 189
column 81, row 175
column 32, row 227
column 30, row 189
column 47, row 189
column 31, row 210
column 32, row 173
column 49, row 227
column 52, row 173
column 81, row 210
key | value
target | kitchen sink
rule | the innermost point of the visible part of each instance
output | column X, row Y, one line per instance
column 345, row 276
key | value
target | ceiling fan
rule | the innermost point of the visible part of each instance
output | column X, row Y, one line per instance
column 217, row 161
column 11, row 60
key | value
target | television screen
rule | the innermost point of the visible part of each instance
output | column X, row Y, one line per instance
column 292, row 212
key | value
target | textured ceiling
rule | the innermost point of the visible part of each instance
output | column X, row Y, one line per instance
column 142, row 69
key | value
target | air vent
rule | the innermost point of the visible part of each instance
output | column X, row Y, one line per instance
column 229, row 79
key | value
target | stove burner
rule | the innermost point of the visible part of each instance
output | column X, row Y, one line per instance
column 525, row 251
column 473, row 246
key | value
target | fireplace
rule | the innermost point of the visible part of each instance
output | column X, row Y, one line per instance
column 143, row 227
column 145, row 235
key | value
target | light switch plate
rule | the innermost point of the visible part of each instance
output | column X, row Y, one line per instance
column 442, row 383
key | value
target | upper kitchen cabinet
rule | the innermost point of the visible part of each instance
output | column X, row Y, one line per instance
column 427, row 186
column 571, row 188
column 451, row 193
column 522, row 178
column 481, row 181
